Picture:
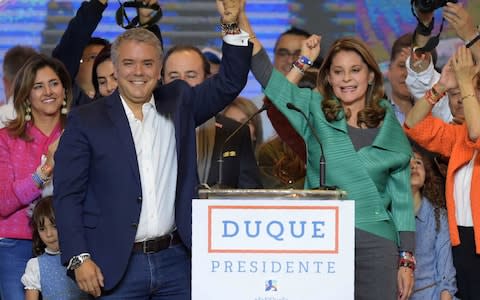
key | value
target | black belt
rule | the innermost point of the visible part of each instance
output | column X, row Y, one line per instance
column 157, row 244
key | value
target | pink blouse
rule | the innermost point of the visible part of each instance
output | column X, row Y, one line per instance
column 18, row 160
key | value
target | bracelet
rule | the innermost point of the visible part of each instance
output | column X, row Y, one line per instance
column 438, row 86
column 299, row 69
column 229, row 28
column 469, row 44
column 407, row 264
column 38, row 180
column 468, row 96
column 305, row 60
column 41, row 173
column 298, row 64
column 405, row 254
column 407, row 259
column 432, row 96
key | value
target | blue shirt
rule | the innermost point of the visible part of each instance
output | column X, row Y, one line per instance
column 398, row 113
column 434, row 272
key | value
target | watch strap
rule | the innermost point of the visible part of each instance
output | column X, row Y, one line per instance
column 469, row 44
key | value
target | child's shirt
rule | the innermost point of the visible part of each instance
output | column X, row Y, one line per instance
column 46, row 274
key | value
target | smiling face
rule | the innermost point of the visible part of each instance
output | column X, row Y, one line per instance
column 185, row 65
column 349, row 76
column 48, row 234
column 47, row 94
column 137, row 71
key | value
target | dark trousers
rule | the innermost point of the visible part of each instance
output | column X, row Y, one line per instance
column 467, row 265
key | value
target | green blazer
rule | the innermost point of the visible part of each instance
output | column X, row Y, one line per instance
column 377, row 177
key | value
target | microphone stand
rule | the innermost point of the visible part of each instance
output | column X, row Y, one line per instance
column 220, row 183
column 322, row 174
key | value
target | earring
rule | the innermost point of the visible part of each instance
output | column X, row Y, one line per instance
column 370, row 92
column 64, row 110
column 28, row 111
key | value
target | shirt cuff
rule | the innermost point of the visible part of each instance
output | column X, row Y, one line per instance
column 240, row 39
column 424, row 76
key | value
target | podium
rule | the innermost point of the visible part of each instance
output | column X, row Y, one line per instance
column 272, row 244
column 275, row 194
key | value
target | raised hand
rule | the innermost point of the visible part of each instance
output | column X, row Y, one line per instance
column 311, row 47
column 229, row 10
column 460, row 19
column 464, row 66
column 447, row 77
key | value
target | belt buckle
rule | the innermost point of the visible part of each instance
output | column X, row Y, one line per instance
column 146, row 248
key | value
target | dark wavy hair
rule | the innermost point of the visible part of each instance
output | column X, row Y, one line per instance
column 434, row 187
column 23, row 84
column 104, row 55
column 373, row 113
column 43, row 209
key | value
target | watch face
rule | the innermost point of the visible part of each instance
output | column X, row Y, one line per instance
column 76, row 262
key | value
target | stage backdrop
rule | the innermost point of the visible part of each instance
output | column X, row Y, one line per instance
column 40, row 23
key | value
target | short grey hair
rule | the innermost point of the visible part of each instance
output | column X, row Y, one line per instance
column 140, row 35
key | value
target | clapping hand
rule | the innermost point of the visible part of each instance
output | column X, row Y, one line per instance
column 447, row 77
column 47, row 168
column 464, row 66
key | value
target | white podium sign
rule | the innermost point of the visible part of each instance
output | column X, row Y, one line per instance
column 272, row 249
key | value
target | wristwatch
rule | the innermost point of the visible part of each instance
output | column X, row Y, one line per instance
column 77, row 261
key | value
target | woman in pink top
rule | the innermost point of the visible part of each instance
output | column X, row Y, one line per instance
column 42, row 93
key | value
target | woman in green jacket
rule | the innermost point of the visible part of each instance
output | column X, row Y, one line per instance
column 366, row 153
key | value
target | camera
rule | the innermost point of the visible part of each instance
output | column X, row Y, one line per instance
column 426, row 6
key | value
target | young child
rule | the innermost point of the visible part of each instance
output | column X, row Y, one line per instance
column 434, row 273
column 44, row 273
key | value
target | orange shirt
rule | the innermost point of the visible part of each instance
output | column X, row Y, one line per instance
column 452, row 141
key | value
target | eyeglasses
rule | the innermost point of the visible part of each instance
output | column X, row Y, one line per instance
column 89, row 58
column 284, row 53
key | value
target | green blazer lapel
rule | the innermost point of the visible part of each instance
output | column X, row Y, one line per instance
column 391, row 136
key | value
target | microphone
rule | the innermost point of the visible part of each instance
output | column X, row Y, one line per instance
column 220, row 158
column 322, row 175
